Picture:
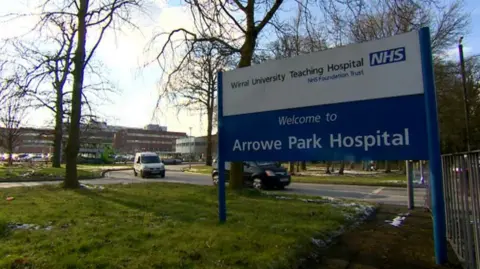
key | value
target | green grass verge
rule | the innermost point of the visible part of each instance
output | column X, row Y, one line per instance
column 104, row 166
column 200, row 169
column 388, row 181
column 160, row 226
column 381, row 180
column 101, row 166
column 43, row 173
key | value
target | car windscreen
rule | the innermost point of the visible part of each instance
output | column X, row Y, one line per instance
column 150, row 159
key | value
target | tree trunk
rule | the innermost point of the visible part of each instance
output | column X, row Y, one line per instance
column 58, row 135
column 298, row 167
column 291, row 167
column 10, row 159
column 388, row 168
column 10, row 149
column 246, row 55
column 352, row 165
column 401, row 166
column 342, row 168
column 304, row 166
column 210, row 108
column 208, row 160
column 73, row 142
column 327, row 171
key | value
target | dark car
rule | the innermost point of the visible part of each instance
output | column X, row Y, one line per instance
column 173, row 161
column 259, row 175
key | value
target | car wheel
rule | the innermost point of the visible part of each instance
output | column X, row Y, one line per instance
column 142, row 175
column 135, row 173
column 215, row 179
column 258, row 184
column 162, row 175
column 281, row 187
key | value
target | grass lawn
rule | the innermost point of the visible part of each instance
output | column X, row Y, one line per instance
column 200, row 169
column 392, row 181
column 161, row 226
column 42, row 173
column 104, row 166
column 381, row 180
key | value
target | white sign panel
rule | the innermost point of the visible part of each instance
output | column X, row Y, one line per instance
column 379, row 69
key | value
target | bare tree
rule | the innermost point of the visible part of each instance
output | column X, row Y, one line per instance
column 292, row 41
column 48, row 72
column 194, row 87
column 451, row 103
column 12, row 117
column 98, row 17
column 232, row 27
column 385, row 19
column 297, row 39
column 235, row 28
column 447, row 22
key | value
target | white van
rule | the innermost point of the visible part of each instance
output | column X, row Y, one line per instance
column 148, row 164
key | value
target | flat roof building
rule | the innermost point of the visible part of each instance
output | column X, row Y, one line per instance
column 196, row 146
column 95, row 136
column 135, row 139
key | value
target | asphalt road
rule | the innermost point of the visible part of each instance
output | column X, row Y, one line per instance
column 387, row 195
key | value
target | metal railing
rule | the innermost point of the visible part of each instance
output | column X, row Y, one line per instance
column 461, row 182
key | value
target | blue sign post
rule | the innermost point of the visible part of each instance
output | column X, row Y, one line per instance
column 222, row 205
column 436, row 184
column 359, row 102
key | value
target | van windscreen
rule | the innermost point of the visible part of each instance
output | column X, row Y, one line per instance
column 150, row 159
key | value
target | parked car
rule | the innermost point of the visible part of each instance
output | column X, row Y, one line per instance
column 22, row 157
column 121, row 159
column 37, row 158
column 87, row 160
column 172, row 161
column 259, row 175
column 148, row 164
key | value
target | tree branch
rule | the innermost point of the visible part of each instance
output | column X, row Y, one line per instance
column 268, row 16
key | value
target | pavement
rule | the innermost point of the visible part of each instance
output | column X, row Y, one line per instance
column 384, row 195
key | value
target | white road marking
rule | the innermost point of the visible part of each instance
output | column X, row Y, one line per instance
column 377, row 191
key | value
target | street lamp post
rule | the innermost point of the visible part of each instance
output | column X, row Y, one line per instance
column 190, row 148
column 465, row 94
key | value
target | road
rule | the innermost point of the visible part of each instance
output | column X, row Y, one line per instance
column 387, row 195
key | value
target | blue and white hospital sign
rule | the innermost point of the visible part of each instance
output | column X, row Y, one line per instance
column 363, row 101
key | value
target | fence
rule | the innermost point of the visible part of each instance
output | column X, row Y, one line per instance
column 461, row 182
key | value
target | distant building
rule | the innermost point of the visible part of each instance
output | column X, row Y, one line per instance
column 135, row 139
column 155, row 127
column 34, row 140
column 95, row 136
column 196, row 146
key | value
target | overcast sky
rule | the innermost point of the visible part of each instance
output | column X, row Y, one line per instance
column 123, row 54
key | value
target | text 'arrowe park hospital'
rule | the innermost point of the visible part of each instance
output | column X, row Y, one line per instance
column 337, row 140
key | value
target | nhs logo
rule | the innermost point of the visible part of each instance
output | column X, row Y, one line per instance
column 387, row 56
